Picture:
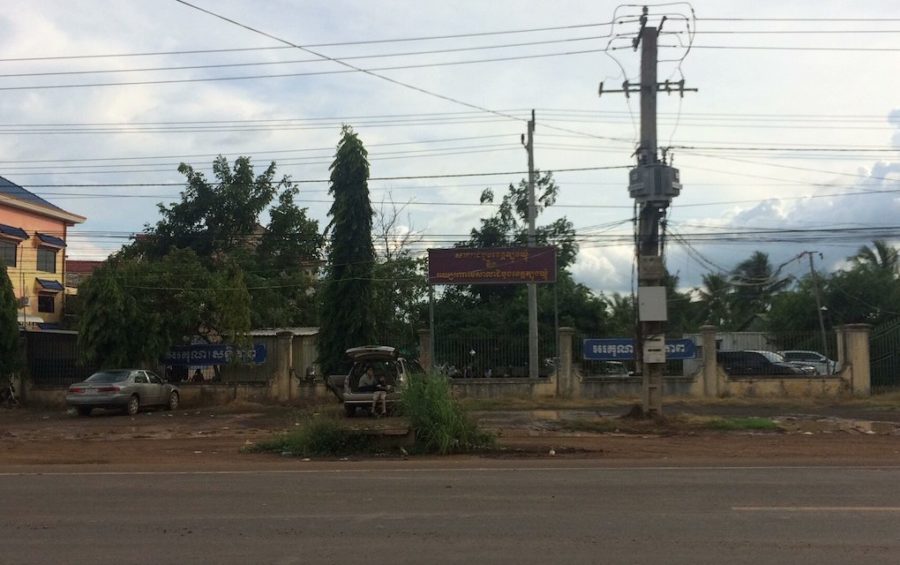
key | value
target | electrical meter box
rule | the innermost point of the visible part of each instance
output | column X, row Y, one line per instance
column 655, row 349
column 652, row 304
column 656, row 183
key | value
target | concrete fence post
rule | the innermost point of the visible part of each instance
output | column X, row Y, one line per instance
column 425, row 349
column 281, row 388
column 710, row 365
column 565, row 373
column 856, row 354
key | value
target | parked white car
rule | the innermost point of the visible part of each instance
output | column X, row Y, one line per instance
column 822, row 364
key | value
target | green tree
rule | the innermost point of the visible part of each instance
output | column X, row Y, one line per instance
column 346, row 316
column 622, row 314
column 879, row 256
column 9, row 327
column 400, row 285
column 755, row 283
column 108, row 332
column 219, row 221
column 497, row 311
column 715, row 300
column 136, row 309
column 215, row 218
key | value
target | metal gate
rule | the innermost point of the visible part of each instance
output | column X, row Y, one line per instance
column 884, row 353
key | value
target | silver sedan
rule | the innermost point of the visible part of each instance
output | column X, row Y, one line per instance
column 130, row 389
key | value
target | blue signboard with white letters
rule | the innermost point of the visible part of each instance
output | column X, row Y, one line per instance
column 215, row 354
column 622, row 349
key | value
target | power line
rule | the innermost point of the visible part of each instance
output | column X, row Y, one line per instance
column 299, row 61
column 783, row 48
column 876, row 20
column 335, row 44
column 305, row 181
column 353, row 69
column 379, row 76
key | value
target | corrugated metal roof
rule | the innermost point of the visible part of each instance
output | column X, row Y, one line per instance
column 13, row 231
column 51, row 240
column 13, row 190
column 50, row 284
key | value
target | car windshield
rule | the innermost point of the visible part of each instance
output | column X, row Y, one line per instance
column 772, row 356
column 108, row 377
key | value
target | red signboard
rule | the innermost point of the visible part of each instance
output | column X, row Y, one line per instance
column 492, row 265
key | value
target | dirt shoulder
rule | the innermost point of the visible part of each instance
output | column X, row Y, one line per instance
column 211, row 439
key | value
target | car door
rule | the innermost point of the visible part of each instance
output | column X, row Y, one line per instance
column 143, row 388
column 158, row 387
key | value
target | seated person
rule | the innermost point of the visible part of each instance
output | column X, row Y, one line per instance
column 367, row 381
column 381, row 390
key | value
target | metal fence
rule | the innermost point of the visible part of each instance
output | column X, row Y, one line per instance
column 884, row 352
column 52, row 359
column 766, row 353
column 492, row 356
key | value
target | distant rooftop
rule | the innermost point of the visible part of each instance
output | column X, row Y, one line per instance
column 78, row 266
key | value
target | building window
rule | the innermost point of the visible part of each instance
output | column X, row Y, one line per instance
column 47, row 303
column 46, row 260
column 8, row 253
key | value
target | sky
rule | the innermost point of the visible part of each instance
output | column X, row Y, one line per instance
column 791, row 142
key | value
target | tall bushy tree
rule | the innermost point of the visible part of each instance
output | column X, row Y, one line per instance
column 715, row 300
column 346, row 316
column 192, row 273
column 9, row 327
column 755, row 283
column 139, row 308
column 879, row 256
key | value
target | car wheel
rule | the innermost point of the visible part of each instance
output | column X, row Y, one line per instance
column 84, row 410
column 349, row 410
column 133, row 406
column 173, row 401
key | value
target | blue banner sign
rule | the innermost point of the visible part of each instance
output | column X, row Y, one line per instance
column 215, row 354
column 622, row 349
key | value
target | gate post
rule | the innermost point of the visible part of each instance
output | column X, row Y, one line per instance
column 425, row 349
column 710, row 365
column 856, row 352
column 282, row 385
column 565, row 373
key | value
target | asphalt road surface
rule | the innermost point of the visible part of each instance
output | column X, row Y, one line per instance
column 499, row 512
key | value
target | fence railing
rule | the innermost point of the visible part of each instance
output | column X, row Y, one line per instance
column 492, row 357
column 884, row 354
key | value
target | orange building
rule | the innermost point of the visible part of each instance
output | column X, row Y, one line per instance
column 33, row 248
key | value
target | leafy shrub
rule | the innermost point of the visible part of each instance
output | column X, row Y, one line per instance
column 319, row 437
column 439, row 422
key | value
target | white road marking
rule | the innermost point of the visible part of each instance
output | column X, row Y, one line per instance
column 441, row 470
column 816, row 508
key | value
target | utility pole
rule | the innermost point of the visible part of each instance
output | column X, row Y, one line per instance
column 653, row 184
column 815, row 279
column 533, row 367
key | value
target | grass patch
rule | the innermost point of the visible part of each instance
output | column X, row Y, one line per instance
column 601, row 426
column 674, row 424
column 740, row 424
column 319, row 436
column 440, row 424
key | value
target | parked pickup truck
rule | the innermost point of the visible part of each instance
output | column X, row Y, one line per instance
column 384, row 361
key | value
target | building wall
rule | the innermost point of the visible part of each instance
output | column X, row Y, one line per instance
column 24, row 275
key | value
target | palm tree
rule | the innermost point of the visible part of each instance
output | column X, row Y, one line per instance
column 715, row 296
column 880, row 256
column 755, row 282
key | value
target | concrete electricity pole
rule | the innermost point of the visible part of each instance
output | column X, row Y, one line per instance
column 653, row 184
column 533, row 368
column 815, row 279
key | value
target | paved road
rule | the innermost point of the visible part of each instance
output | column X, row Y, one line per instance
column 576, row 512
